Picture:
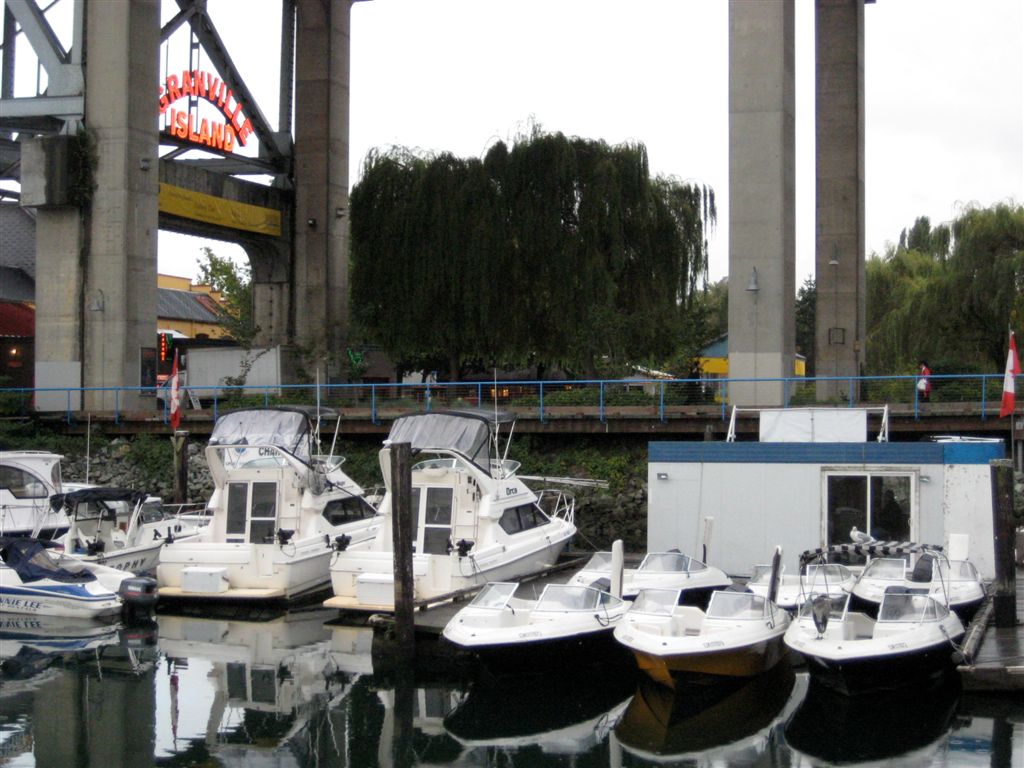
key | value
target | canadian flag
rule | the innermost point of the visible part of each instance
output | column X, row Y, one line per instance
column 1009, row 379
column 175, row 397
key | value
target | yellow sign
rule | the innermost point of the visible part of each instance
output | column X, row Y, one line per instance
column 178, row 201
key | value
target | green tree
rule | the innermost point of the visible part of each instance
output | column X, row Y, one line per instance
column 554, row 251
column 806, row 329
column 948, row 294
column 234, row 282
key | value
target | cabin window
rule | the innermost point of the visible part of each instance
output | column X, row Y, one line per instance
column 522, row 518
column 22, row 484
column 263, row 519
column 264, row 686
column 878, row 504
column 348, row 510
column 237, row 681
column 437, row 520
column 238, row 503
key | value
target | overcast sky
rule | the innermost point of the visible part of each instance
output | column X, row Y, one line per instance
column 944, row 93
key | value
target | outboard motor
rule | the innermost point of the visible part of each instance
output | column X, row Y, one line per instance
column 138, row 597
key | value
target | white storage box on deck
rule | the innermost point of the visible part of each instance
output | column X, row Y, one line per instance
column 375, row 589
column 209, row 581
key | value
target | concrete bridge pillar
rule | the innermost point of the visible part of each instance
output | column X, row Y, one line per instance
column 762, row 219
column 122, row 66
column 840, row 240
column 319, row 310
column 96, row 261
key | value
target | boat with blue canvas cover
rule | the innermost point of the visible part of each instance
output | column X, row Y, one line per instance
column 37, row 578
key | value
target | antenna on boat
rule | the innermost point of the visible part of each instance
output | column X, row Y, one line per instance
column 318, row 408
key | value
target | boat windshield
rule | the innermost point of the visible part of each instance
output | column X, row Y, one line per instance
column 495, row 595
column 599, row 561
column 288, row 430
column 885, row 568
column 656, row 601
column 827, row 573
column 670, row 562
column 910, row 606
column 837, row 606
column 736, row 605
column 762, row 575
column 563, row 597
column 958, row 570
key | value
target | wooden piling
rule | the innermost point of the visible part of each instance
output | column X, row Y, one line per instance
column 179, row 441
column 402, row 534
column 1004, row 529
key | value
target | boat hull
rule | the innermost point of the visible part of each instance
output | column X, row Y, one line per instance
column 244, row 572
column 71, row 601
column 550, row 654
column 694, row 667
column 884, row 672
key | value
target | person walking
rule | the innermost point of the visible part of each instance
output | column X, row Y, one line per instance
column 924, row 382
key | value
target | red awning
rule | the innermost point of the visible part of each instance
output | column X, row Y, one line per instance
column 17, row 319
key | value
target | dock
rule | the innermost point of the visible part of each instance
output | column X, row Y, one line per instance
column 996, row 654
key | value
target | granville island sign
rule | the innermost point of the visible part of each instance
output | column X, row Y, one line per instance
column 183, row 124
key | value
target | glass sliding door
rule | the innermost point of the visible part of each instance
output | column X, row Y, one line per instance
column 878, row 504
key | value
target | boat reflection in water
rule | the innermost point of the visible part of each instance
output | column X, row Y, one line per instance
column 551, row 713
column 76, row 692
column 912, row 724
column 736, row 721
column 246, row 690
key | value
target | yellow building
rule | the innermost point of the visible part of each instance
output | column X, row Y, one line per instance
column 189, row 309
column 714, row 364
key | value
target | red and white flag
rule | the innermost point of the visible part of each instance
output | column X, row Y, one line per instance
column 1009, row 379
column 175, row 397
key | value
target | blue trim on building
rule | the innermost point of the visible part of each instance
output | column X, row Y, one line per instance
column 823, row 453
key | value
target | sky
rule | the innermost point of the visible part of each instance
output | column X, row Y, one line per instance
column 944, row 94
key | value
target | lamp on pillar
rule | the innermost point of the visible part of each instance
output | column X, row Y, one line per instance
column 752, row 286
column 98, row 302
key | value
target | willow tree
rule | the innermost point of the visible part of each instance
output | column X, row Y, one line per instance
column 554, row 251
column 948, row 294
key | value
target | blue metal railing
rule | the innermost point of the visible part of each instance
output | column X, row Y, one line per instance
column 544, row 400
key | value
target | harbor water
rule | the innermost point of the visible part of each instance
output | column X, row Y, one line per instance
column 302, row 689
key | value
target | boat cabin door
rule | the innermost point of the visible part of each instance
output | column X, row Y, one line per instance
column 432, row 508
column 252, row 512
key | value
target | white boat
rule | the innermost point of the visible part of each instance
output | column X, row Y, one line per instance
column 27, row 481
column 659, row 570
column 37, row 578
column 100, row 532
column 911, row 641
column 953, row 582
column 831, row 579
column 565, row 626
column 277, row 513
column 474, row 520
column 739, row 635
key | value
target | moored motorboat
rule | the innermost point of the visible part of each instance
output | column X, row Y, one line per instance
column 512, row 635
column 659, row 570
column 953, row 582
column 739, row 635
column 831, row 579
column 912, row 640
column 27, row 480
column 278, row 512
column 94, row 534
column 474, row 519
column 36, row 578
